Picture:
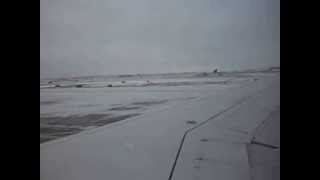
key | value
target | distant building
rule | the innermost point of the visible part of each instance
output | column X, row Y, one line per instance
column 215, row 71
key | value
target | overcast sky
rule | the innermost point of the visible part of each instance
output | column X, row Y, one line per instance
column 92, row 37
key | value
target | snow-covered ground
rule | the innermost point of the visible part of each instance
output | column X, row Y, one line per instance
column 69, row 106
column 134, row 132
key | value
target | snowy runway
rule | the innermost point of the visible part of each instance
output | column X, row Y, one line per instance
column 145, row 146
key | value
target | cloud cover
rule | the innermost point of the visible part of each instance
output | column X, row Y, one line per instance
column 90, row 37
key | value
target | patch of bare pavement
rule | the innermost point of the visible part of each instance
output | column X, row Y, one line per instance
column 53, row 127
column 125, row 108
column 56, row 127
column 137, row 105
column 48, row 102
column 149, row 103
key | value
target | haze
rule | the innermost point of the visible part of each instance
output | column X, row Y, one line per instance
column 94, row 37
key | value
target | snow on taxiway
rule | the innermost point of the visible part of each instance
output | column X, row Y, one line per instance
column 145, row 146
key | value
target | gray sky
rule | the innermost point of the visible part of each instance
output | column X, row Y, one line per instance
column 90, row 37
